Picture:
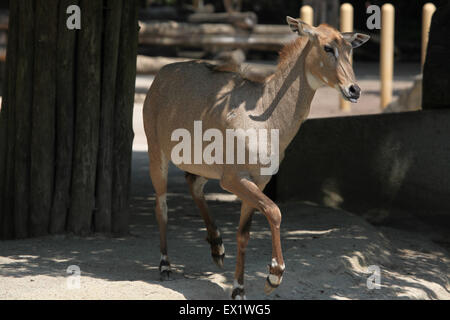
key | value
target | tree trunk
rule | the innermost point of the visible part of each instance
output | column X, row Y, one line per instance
column 66, row 119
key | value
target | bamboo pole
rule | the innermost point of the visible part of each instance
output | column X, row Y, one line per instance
column 387, row 53
column 307, row 15
column 428, row 11
column 346, row 26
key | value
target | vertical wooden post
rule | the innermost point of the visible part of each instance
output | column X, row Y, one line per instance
column 324, row 11
column 307, row 15
column 66, row 118
column 113, row 21
column 65, row 111
column 123, row 117
column 87, row 115
column 346, row 26
column 428, row 11
column 387, row 53
column 8, row 117
column 24, row 99
column 43, row 118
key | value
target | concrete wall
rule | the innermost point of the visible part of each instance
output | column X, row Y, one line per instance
column 380, row 164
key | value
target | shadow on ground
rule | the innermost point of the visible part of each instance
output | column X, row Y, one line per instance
column 327, row 255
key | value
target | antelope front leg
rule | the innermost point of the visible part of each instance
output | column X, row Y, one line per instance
column 277, row 267
column 252, row 196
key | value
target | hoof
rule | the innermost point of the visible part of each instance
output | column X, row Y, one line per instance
column 217, row 251
column 218, row 259
column 275, row 277
column 238, row 294
column 270, row 286
column 164, row 270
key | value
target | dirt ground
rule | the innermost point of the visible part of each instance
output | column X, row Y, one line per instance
column 327, row 251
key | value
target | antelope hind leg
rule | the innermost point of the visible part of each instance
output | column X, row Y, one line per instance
column 158, row 174
column 196, row 186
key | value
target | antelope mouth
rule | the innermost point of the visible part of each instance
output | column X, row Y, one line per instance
column 349, row 97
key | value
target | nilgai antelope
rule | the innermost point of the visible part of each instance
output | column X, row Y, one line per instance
column 183, row 94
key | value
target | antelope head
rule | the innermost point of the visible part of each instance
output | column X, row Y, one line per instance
column 328, row 62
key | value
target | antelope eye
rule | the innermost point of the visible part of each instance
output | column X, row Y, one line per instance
column 328, row 49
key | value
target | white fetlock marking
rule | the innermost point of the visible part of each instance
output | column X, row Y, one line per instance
column 236, row 285
column 221, row 249
column 165, row 258
column 274, row 279
column 275, row 264
column 165, row 268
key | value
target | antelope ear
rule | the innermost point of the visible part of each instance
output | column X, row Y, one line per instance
column 356, row 39
column 302, row 28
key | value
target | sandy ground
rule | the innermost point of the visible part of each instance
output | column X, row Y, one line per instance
column 327, row 254
column 327, row 251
